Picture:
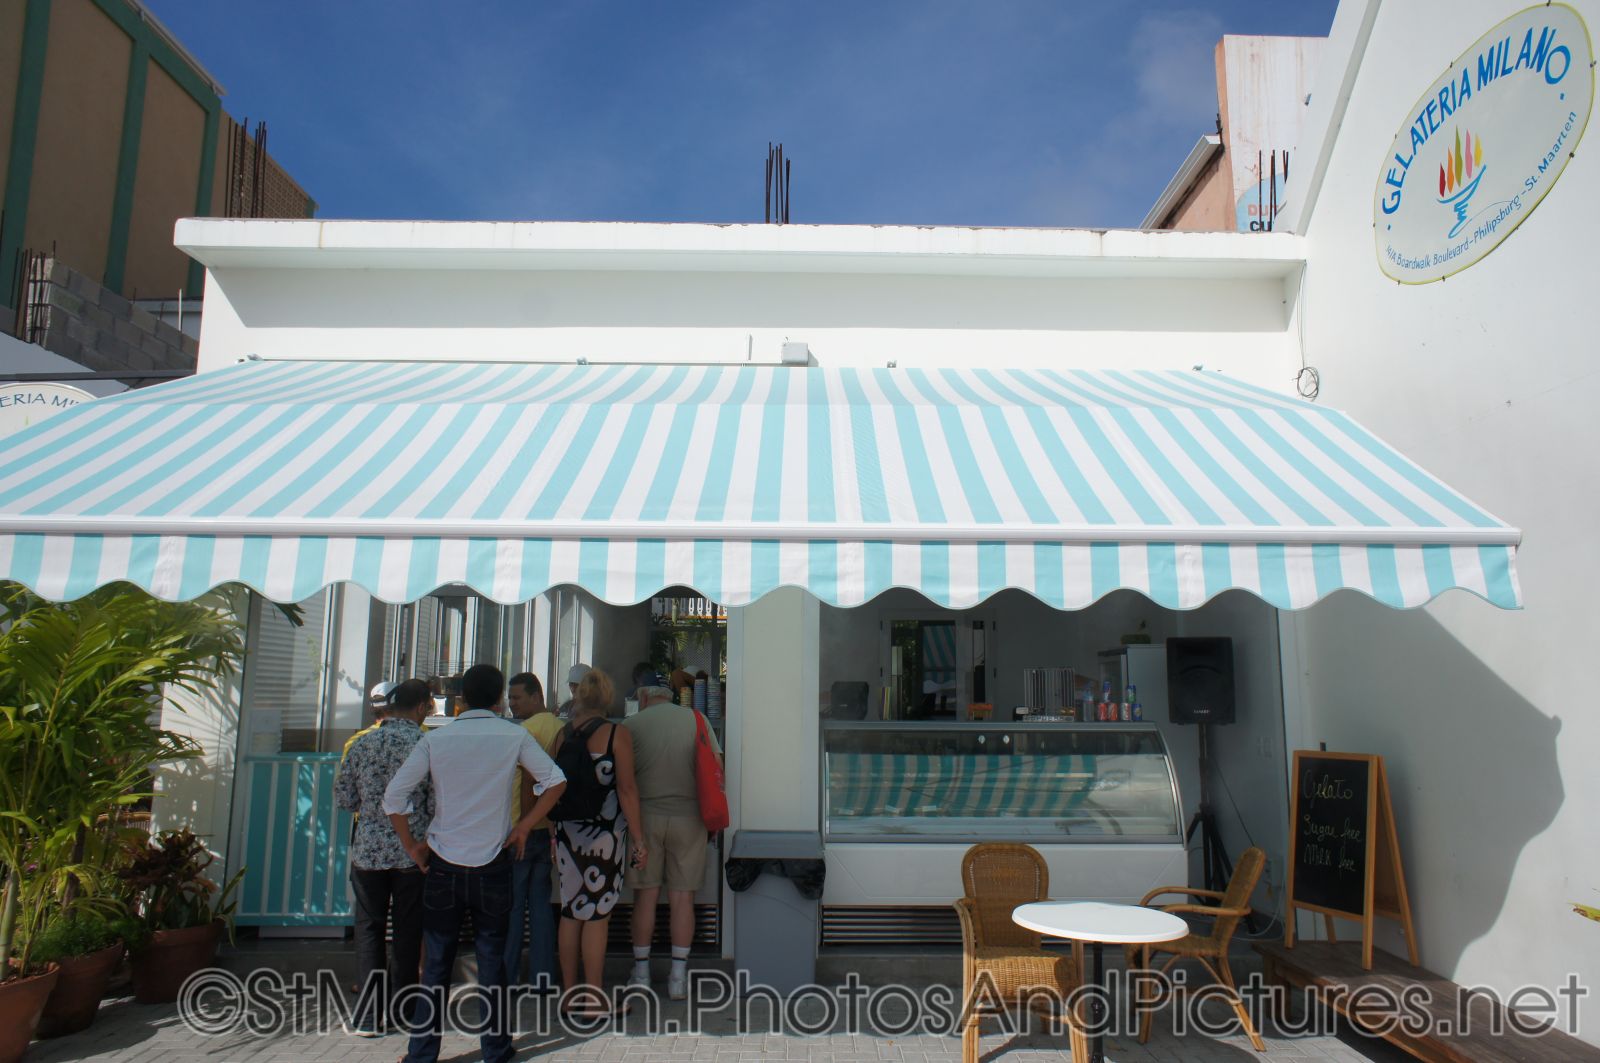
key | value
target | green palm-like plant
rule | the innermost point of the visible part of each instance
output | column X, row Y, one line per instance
column 79, row 683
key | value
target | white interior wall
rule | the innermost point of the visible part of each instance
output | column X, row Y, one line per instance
column 1487, row 380
column 614, row 638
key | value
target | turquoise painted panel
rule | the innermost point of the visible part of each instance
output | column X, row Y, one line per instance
column 280, row 826
column 296, row 844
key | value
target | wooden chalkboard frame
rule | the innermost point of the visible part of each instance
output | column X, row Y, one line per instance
column 1384, row 890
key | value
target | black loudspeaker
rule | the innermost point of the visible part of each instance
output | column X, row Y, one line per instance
column 1200, row 680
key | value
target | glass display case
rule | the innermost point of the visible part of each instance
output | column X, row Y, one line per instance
column 1044, row 783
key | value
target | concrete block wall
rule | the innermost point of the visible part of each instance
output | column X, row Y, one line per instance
column 102, row 331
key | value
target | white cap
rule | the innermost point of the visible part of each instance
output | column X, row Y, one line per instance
column 576, row 673
column 379, row 697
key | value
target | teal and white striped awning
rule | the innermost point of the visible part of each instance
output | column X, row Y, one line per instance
column 732, row 480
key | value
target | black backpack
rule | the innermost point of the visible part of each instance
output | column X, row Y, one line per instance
column 585, row 794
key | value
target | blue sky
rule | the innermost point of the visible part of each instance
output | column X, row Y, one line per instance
column 985, row 112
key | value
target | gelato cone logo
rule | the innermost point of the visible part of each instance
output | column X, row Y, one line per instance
column 1495, row 131
column 1461, row 169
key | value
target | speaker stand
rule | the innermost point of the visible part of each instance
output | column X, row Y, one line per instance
column 1216, row 868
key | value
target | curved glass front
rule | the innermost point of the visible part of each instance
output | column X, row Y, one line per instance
column 1043, row 783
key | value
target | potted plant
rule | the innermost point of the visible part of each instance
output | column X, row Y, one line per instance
column 25, row 983
column 182, row 913
column 79, row 684
column 22, row 998
column 86, row 948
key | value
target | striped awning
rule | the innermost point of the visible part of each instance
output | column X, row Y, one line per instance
column 732, row 480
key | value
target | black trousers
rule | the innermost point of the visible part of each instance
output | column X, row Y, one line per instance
column 384, row 899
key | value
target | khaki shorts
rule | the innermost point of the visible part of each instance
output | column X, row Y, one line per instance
column 675, row 854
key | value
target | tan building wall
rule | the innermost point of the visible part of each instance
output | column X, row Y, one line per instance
column 80, row 130
column 11, row 19
column 164, row 189
column 282, row 197
column 105, row 199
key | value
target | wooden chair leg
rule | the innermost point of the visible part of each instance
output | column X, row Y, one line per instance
column 1150, row 1013
column 1249, row 1027
column 969, row 1040
column 1225, row 976
column 1079, row 1043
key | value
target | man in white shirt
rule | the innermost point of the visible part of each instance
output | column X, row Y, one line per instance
column 471, row 841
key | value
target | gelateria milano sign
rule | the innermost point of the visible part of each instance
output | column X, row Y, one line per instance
column 1484, row 144
column 24, row 405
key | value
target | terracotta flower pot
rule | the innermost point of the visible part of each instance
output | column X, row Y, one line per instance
column 170, row 956
column 21, row 1001
column 76, row 997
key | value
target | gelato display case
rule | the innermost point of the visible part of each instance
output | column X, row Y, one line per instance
column 1040, row 783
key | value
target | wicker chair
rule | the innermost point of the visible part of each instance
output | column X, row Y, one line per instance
column 1224, row 910
column 996, row 879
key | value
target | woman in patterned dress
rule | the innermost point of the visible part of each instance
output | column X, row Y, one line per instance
column 591, row 853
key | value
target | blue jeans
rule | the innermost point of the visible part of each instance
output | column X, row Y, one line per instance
column 530, row 908
column 451, row 891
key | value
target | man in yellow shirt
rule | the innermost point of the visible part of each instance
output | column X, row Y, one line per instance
column 531, row 911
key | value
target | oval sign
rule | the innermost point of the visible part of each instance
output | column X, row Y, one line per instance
column 1484, row 145
column 22, row 405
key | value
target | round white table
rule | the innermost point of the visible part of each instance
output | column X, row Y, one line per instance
column 1097, row 924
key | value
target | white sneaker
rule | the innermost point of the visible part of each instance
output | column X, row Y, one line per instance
column 678, row 986
column 639, row 978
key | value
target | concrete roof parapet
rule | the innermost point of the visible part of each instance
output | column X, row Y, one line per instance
column 323, row 244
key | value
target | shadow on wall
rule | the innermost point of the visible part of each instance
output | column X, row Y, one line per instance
column 1472, row 764
column 196, row 792
column 185, row 797
column 491, row 299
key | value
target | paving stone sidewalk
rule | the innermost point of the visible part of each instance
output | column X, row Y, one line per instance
column 126, row 1032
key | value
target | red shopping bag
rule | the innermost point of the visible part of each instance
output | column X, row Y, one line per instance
column 708, row 779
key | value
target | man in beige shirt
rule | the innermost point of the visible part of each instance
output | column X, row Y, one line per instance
column 674, row 834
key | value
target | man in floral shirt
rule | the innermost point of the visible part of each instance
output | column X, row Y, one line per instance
column 386, row 883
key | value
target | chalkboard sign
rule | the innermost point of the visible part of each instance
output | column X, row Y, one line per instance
column 1332, row 828
column 1344, row 853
